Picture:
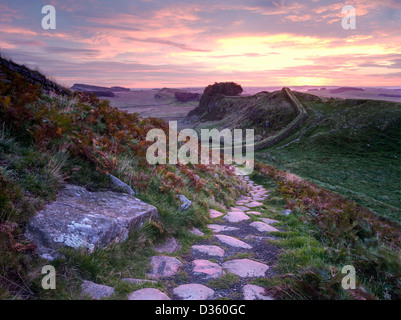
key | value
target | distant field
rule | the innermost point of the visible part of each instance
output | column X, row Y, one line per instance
column 368, row 93
column 145, row 104
column 381, row 93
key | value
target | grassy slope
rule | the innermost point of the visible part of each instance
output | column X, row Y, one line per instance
column 250, row 112
column 47, row 140
column 351, row 147
column 32, row 169
column 323, row 233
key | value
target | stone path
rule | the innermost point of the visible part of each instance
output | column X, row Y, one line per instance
column 238, row 247
column 223, row 266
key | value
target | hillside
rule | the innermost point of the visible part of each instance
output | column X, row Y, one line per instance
column 341, row 173
column 49, row 139
column 87, row 87
column 349, row 146
column 62, row 152
column 266, row 113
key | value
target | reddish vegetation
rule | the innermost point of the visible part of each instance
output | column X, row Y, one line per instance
column 350, row 232
column 337, row 217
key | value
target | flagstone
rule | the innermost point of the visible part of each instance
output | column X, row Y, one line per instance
column 148, row 294
column 269, row 221
column 221, row 228
column 263, row 227
column 236, row 216
column 193, row 291
column 233, row 242
column 197, row 232
column 259, row 198
column 96, row 291
column 245, row 268
column 254, row 212
column 206, row 269
column 239, row 208
column 252, row 292
column 254, row 204
column 215, row 214
column 164, row 266
column 210, row 250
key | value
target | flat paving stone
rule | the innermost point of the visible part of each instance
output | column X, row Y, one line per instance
column 258, row 199
column 193, row 291
column 206, row 269
column 210, row 250
column 258, row 195
column 215, row 214
column 96, row 291
column 170, row 246
column 269, row 221
column 254, row 204
column 197, row 232
column 164, row 266
column 236, row 216
column 221, row 228
column 252, row 292
column 239, row 208
column 257, row 213
column 148, row 294
column 245, row 268
column 233, row 242
column 263, row 227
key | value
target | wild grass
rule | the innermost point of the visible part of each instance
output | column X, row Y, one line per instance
column 350, row 147
column 227, row 281
column 323, row 233
column 48, row 140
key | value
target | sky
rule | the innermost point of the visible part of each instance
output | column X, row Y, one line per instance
column 193, row 43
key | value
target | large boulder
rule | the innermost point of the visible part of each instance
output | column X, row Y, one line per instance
column 82, row 219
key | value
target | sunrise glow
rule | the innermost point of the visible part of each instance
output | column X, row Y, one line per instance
column 149, row 44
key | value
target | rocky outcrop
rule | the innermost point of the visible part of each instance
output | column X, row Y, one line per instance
column 209, row 105
column 88, row 220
